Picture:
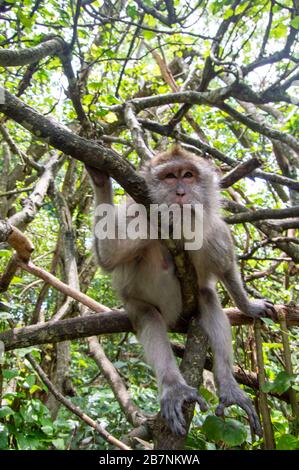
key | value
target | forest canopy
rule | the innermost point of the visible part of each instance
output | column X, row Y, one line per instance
column 110, row 84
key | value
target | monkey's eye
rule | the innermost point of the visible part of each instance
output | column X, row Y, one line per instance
column 170, row 176
column 188, row 174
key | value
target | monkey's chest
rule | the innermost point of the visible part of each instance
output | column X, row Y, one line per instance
column 152, row 279
column 162, row 289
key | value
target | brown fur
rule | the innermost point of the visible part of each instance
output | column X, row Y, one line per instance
column 175, row 152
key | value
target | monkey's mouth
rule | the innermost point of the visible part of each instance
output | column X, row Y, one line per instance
column 181, row 200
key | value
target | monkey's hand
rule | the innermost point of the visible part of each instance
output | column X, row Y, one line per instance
column 231, row 394
column 172, row 400
column 99, row 178
column 259, row 308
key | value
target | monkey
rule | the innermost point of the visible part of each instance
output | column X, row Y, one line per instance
column 144, row 275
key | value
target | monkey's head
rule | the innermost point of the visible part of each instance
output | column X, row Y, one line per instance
column 180, row 177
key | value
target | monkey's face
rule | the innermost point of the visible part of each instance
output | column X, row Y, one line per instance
column 180, row 182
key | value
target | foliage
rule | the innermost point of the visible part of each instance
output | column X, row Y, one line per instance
column 113, row 46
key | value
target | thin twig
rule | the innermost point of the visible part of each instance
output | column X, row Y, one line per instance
column 74, row 409
column 62, row 287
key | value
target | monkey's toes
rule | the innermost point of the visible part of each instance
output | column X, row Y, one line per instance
column 172, row 406
column 245, row 403
column 260, row 308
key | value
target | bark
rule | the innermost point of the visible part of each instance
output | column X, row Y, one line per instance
column 16, row 239
column 113, row 321
column 30, row 55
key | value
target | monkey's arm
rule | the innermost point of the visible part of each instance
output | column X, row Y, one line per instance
column 253, row 308
column 111, row 250
column 231, row 279
column 228, row 274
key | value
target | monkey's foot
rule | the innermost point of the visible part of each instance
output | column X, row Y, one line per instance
column 172, row 400
column 233, row 395
column 259, row 308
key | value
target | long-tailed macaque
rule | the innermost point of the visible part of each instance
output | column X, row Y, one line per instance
column 144, row 275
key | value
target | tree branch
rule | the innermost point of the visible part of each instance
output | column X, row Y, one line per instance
column 113, row 321
column 73, row 408
column 30, row 55
column 87, row 151
column 263, row 214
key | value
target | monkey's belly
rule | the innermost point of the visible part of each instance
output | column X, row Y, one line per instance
column 157, row 287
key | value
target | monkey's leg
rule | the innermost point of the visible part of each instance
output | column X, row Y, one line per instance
column 152, row 333
column 217, row 327
column 253, row 308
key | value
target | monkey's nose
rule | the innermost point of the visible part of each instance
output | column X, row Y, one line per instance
column 180, row 191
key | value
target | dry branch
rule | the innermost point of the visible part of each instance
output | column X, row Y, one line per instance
column 74, row 409
column 113, row 321
column 62, row 287
column 16, row 239
column 9, row 58
column 263, row 214
column 239, row 172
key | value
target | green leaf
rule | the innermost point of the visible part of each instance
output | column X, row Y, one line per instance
column 148, row 34
column 228, row 13
column 34, row 388
column 25, row 20
column 281, row 384
column 95, row 86
column 30, row 381
column 287, row 442
column 295, row 22
column 213, row 428
column 279, row 31
column 132, row 11
column 234, row 433
column 229, row 431
column 5, row 253
column 9, row 374
column 16, row 280
column 47, row 429
column 241, row 8
column 59, row 444
column 6, row 411
column 3, row 437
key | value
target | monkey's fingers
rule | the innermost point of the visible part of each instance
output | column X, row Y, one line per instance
column 171, row 411
column 202, row 403
column 270, row 306
column 270, row 309
column 253, row 418
column 172, row 406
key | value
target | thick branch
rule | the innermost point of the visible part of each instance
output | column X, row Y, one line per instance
column 35, row 200
column 137, row 133
column 263, row 214
column 114, row 321
column 16, row 239
column 31, row 54
column 239, row 172
column 192, row 97
column 87, row 151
